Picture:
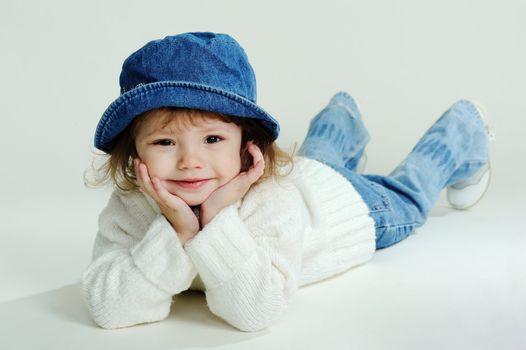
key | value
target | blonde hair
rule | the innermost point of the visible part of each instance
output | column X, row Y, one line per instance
column 117, row 168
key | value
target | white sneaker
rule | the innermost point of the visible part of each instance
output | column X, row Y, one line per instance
column 468, row 192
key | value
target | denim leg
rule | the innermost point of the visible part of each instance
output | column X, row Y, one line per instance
column 454, row 148
column 337, row 134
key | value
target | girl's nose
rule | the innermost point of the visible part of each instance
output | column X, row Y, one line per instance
column 188, row 159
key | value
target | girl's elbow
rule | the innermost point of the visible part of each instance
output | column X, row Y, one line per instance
column 252, row 328
column 115, row 318
column 107, row 322
column 253, row 320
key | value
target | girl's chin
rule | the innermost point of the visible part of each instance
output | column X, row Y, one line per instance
column 193, row 203
column 191, row 200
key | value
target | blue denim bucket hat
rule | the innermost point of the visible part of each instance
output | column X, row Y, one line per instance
column 202, row 70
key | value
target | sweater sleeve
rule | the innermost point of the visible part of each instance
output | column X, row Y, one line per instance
column 250, row 258
column 138, row 265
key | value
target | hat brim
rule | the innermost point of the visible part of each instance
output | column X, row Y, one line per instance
column 146, row 97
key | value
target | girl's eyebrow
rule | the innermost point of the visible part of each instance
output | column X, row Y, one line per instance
column 202, row 129
column 157, row 131
column 214, row 128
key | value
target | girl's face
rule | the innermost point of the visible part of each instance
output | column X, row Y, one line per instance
column 191, row 161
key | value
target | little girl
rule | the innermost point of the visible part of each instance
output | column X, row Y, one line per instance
column 204, row 198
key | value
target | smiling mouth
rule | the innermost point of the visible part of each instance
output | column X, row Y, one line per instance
column 190, row 184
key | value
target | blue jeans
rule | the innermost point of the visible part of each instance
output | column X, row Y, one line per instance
column 453, row 148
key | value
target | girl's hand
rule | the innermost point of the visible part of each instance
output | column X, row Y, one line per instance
column 235, row 189
column 176, row 211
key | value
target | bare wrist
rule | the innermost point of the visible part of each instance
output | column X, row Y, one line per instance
column 206, row 215
column 184, row 237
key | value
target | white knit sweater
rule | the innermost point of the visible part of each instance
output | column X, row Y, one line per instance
column 249, row 259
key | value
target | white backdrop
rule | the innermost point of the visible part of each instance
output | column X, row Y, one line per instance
column 405, row 61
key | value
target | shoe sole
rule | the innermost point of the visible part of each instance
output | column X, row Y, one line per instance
column 480, row 197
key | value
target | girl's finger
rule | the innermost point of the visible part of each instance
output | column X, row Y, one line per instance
column 146, row 183
column 254, row 151
column 165, row 197
column 136, row 168
column 154, row 188
column 146, row 179
column 161, row 192
column 258, row 167
column 257, row 155
column 255, row 172
column 139, row 175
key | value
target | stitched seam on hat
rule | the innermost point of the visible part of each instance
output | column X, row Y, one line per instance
column 158, row 85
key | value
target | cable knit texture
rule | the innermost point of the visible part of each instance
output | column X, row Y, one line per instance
column 249, row 259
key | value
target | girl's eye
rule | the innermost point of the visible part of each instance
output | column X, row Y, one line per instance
column 164, row 142
column 213, row 139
